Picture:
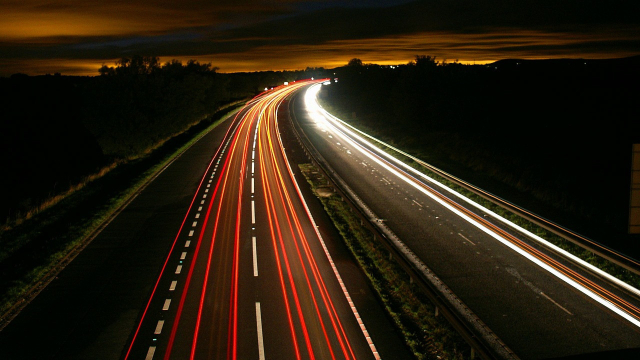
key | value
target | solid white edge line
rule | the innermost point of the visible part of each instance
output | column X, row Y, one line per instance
column 507, row 243
column 354, row 310
column 344, row 127
column 259, row 328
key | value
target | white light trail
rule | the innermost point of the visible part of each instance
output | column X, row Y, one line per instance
column 326, row 120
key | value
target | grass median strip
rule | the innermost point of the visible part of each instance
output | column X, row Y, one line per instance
column 426, row 334
column 40, row 246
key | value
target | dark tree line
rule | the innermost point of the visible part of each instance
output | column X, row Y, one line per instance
column 55, row 130
column 557, row 133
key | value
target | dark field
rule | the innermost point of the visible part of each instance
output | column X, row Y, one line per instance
column 57, row 130
column 553, row 136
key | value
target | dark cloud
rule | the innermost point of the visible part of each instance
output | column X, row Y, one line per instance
column 263, row 34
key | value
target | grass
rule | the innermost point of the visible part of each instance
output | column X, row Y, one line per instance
column 37, row 247
column 427, row 335
column 574, row 249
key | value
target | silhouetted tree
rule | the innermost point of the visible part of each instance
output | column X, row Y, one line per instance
column 107, row 70
column 425, row 61
column 355, row 62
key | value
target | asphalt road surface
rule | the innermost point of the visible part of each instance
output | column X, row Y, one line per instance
column 532, row 298
column 238, row 270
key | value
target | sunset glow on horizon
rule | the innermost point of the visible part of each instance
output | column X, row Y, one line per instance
column 77, row 38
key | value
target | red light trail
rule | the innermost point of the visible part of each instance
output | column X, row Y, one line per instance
column 209, row 320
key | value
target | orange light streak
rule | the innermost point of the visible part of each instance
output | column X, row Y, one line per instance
column 292, row 221
column 311, row 259
column 622, row 304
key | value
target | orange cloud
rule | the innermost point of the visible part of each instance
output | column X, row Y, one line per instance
column 77, row 37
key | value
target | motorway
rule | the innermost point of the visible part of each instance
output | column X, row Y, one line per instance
column 249, row 274
column 249, row 278
column 541, row 304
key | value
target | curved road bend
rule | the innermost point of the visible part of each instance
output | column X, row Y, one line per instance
column 215, row 293
column 250, row 278
column 533, row 311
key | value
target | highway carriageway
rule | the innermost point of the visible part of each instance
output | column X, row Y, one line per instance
column 540, row 302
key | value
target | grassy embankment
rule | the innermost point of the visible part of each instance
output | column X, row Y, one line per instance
column 582, row 253
column 71, row 219
column 427, row 335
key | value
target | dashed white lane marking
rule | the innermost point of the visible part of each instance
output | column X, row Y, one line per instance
column 186, row 244
column 253, row 167
column 166, row 305
column 198, row 216
column 178, row 269
column 260, row 339
column 255, row 257
column 206, row 190
column 190, row 232
column 204, row 196
column 535, row 289
column 159, row 327
column 252, row 185
column 464, row 237
column 209, row 184
column 253, row 212
column 417, row 203
column 363, row 328
column 183, row 255
column 555, row 303
column 202, row 202
column 199, row 208
column 173, row 285
column 194, row 224
column 150, row 353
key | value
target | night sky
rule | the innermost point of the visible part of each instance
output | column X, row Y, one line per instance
column 75, row 37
